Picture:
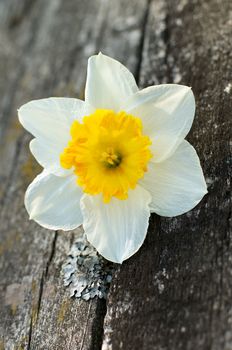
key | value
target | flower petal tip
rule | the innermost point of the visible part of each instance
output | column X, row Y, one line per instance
column 32, row 216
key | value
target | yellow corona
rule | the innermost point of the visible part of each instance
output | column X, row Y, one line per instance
column 108, row 152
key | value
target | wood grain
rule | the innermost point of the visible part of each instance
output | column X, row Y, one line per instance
column 176, row 292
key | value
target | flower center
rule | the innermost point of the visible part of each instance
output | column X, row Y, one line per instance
column 111, row 158
column 108, row 153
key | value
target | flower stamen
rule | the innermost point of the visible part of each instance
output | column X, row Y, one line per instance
column 111, row 158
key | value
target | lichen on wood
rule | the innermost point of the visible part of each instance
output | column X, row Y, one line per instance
column 86, row 273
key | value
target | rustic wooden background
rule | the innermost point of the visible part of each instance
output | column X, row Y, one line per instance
column 176, row 292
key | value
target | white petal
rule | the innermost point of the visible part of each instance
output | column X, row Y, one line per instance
column 54, row 202
column 177, row 185
column 49, row 120
column 48, row 156
column 108, row 83
column 167, row 113
column 117, row 229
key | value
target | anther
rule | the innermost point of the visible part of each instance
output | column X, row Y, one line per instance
column 110, row 158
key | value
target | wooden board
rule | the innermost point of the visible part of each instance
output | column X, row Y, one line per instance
column 175, row 293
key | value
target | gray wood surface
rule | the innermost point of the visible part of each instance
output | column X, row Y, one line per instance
column 176, row 292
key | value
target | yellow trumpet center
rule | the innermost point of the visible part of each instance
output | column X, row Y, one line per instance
column 111, row 158
column 108, row 152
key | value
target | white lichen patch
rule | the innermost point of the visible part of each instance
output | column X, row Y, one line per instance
column 209, row 181
column 123, row 306
column 86, row 273
column 160, row 279
column 228, row 88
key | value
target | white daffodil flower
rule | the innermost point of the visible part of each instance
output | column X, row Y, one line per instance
column 112, row 160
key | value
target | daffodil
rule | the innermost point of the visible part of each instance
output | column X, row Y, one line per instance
column 113, row 159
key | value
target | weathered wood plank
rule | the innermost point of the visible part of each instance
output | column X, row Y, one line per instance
column 176, row 292
column 46, row 46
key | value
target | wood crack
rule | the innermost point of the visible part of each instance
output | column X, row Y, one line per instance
column 98, row 325
column 53, row 248
column 166, row 38
column 41, row 285
column 142, row 39
column 30, row 334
